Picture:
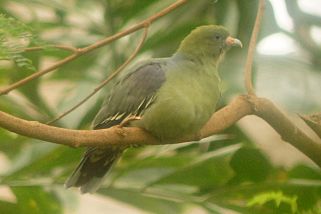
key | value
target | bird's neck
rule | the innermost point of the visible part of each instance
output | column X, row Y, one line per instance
column 201, row 66
column 198, row 54
column 198, row 57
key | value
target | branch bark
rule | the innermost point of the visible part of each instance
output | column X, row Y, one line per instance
column 314, row 122
column 288, row 131
column 116, row 135
column 250, row 55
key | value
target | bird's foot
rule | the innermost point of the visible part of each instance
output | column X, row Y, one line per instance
column 126, row 121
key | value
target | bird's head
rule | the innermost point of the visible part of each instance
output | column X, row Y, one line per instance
column 209, row 41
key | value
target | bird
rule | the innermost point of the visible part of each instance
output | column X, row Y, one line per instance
column 168, row 97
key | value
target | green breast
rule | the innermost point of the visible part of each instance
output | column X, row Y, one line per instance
column 185, row 102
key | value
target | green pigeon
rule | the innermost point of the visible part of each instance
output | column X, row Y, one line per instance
column 169, row 97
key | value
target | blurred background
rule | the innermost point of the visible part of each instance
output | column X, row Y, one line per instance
column 246, row 169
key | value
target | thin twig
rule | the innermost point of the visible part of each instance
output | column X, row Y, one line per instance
column 103, row 83
column 251, row 51
column 94, row 46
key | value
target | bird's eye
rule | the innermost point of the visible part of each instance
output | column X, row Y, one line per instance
column 217, row 37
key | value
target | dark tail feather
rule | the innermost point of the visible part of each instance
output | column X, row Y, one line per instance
column 93, row 167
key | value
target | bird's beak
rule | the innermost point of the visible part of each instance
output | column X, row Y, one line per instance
column 230, row 41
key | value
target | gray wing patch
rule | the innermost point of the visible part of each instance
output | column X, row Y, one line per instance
column 131, row 96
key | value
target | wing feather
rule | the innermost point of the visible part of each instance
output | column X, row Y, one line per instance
column 132, row 95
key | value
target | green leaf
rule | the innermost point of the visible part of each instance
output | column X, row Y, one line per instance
column 46, row 168
column 277, row 197
column 250, row 164
column 132, row 169
column 15, row 36
column 305, row 172
column 36, row 200
column 8, row 207
column 9, row 145
column 206, row 172
column 119, row 9
column 152, row 203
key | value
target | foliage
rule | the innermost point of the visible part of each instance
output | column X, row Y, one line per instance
column 278, row 197
column 224, row 174
column 15, row 36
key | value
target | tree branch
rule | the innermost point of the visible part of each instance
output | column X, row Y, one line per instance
column 314, row 122
column 250, row 55
column 240, row 107
column 90, row 48
column 288, row 131
column 222, row 119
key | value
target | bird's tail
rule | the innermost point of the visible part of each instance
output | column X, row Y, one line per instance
column 93, row 167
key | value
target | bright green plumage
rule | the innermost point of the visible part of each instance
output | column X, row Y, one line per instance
column 184, row 102
column 172, row 97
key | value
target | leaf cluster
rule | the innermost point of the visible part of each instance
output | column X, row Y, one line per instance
column 15, row 36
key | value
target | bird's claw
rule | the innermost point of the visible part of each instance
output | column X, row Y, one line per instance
column 126, row 121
